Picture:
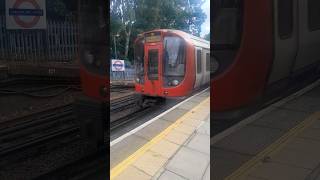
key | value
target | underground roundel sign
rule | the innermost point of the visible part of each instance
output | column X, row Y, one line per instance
column 26, row 14
column 117, row 65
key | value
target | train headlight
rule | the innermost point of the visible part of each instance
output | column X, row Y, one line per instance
column 174, row 82
column 138, row 80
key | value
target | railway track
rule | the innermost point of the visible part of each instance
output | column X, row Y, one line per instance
column 38, row 80
column 36, row 129
column 37, row 87
column 123, row 103
column 129, row 111
column 92, row 166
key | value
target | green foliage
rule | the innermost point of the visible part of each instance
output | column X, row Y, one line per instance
column 145, row 15
column 56, row 9
column 207, row 37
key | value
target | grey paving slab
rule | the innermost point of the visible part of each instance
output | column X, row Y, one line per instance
column 223, row 163
column 189, row 163
column 314, row 92
column 188, row 105
column 304, row 103
column 205, row 94
column 167, row 175
column 249, row 140
column 312, row 133
column 281, row 119
column 204, row 128
column 123, row 149
column 299, row 153
column 174, row 114
column 200, row 142
column 315, row 174
column 198, row 99
column 250, row 178
column 207, row 174
column 276, row 171
column 153, row 129
column 316, row 125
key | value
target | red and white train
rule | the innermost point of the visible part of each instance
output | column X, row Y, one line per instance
column 170, row 63
column 91, row 108
column 261, row 48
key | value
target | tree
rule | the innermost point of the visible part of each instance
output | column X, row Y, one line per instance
column 207, row 37
column 132, row 17
column 123, row 11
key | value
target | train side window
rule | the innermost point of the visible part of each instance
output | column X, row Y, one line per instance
column 285, row 18
column 207, row 62
column 198, row 61
column 314, row 15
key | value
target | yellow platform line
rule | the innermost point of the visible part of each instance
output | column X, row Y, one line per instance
column 274, row 147
column 132, row 158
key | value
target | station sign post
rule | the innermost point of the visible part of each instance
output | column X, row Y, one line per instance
column 117, row 65
column 26, row 14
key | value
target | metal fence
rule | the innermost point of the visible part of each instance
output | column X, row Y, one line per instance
column 127, row 75
column 58, row 43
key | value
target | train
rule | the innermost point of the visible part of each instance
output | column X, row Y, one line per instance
column 92, row 106
column 170, row 63
column 260, row 49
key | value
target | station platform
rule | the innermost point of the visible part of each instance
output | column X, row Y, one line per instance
column 281, row 142
column 172, row 145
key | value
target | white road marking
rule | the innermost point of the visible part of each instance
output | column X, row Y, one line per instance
column 119, row 139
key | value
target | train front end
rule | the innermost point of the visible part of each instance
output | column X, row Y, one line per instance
column 91, row 107
column 162, row 66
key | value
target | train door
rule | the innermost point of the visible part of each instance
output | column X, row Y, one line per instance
column 309, row 36
column 153, row 77
column 199, row 67
column 285, row 40
column 206, row 66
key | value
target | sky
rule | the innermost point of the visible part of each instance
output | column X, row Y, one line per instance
column 205, row 27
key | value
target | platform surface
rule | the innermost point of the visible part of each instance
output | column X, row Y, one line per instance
column 281, row 143
column 168, row 148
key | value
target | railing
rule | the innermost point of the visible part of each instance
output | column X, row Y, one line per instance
column 58, row 43
column 127, row 75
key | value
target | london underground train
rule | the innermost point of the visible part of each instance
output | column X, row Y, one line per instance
column 170, row 63
column 91, row 108
column 261, row 49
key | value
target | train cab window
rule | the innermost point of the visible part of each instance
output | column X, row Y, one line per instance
column 227, row 32
column 153, row 64
column 174, row 60
column 226, row 22
column 285, row 18
column 139, row 60
column 314, row 15
column 199, row 64
column 207, row 62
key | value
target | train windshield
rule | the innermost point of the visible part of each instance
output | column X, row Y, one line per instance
column 173, row 60
column 226, row 23
column 139, row 60
column 227, row 30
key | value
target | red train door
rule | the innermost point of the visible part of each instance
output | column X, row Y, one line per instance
column 153, row 77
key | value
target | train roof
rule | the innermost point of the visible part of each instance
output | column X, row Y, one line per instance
column 196, row 41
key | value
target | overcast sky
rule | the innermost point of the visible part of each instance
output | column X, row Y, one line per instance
column 205, row 27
